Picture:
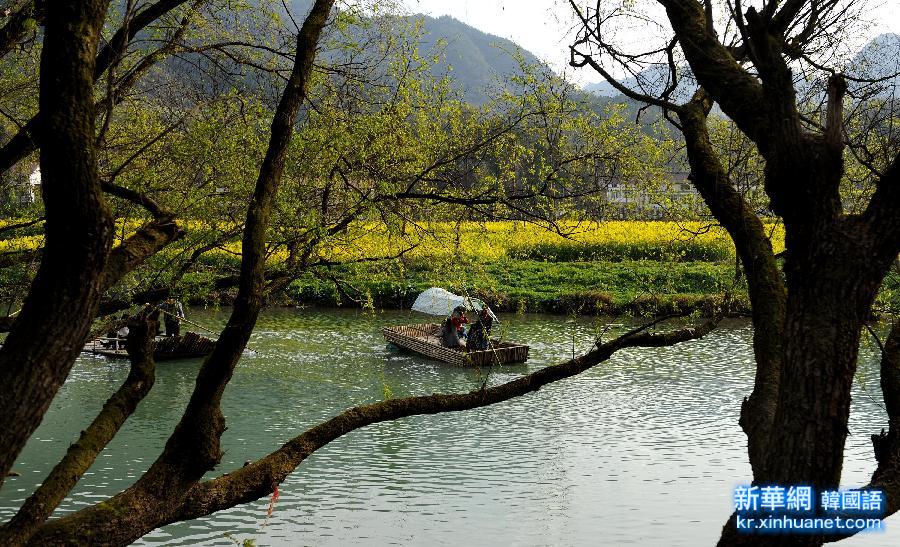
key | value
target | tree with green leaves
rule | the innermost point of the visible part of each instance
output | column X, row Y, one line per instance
column 752, row 61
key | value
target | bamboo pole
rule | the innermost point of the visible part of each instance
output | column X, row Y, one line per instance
column 185, row 319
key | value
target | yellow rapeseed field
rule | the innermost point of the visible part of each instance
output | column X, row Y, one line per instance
column 496, row 240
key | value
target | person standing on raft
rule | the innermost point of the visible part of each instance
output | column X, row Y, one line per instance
column 174, row 313
column 480, row 332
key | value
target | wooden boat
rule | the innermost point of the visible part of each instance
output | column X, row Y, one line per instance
column 187, row 346
column 425, row 339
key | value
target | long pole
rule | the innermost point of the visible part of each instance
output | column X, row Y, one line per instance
column 184, row 319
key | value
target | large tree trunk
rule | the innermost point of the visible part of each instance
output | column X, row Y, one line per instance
column 833, row 270
column 49, row 332
column 807, row 322
column 829, row 298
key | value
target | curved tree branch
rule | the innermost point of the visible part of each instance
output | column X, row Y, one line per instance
column 132, row 252
column 881, row 213
column 259, row 478
column 126, row 34
column 81, row 455
column 127, row 256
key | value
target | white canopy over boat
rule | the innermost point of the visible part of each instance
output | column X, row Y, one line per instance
column 438, row 301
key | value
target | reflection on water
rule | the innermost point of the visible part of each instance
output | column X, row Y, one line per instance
column 642, row 450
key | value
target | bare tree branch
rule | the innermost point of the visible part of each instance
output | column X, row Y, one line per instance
column 28, row 138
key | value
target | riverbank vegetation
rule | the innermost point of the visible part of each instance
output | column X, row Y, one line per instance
column 611, row 268
column 584, row 267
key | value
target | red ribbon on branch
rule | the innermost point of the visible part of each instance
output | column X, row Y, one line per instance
column 272, row 504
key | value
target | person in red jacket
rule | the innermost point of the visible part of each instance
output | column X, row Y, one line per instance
column 452, row 330
column 459, row 319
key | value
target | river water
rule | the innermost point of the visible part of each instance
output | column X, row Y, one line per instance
column 645, row 449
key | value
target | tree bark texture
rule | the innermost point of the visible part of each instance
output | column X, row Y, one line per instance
column 49, row 332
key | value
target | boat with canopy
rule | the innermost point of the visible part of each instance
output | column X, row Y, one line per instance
column 425, row 338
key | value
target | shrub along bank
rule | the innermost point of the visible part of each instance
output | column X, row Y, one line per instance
column 640, row 287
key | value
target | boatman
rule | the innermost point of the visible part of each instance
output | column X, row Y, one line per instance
column 174, row 313
column 480, row 332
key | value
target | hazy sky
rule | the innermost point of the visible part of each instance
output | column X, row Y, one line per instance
column 543, row 26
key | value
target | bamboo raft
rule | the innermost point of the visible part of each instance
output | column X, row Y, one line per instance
column 187, row 346
column 425, row 339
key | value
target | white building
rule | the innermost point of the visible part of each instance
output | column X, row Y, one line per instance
column 31, row 188
column 643, row 200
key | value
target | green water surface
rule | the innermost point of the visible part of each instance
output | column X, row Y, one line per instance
column 645, row 449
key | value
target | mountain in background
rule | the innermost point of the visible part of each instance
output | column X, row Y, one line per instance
column 475, row 61
column 606, row 89
column 879, row 59
column 478, row 63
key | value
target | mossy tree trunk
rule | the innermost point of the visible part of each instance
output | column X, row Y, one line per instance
column 807, row 317
column 49, row 332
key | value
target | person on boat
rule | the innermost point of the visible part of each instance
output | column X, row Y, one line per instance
column 122, row 333
column 115, row 339
column 174, row 313
column 459, row 319
column 450, row 332
column 480, row 332
column 112, row 340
